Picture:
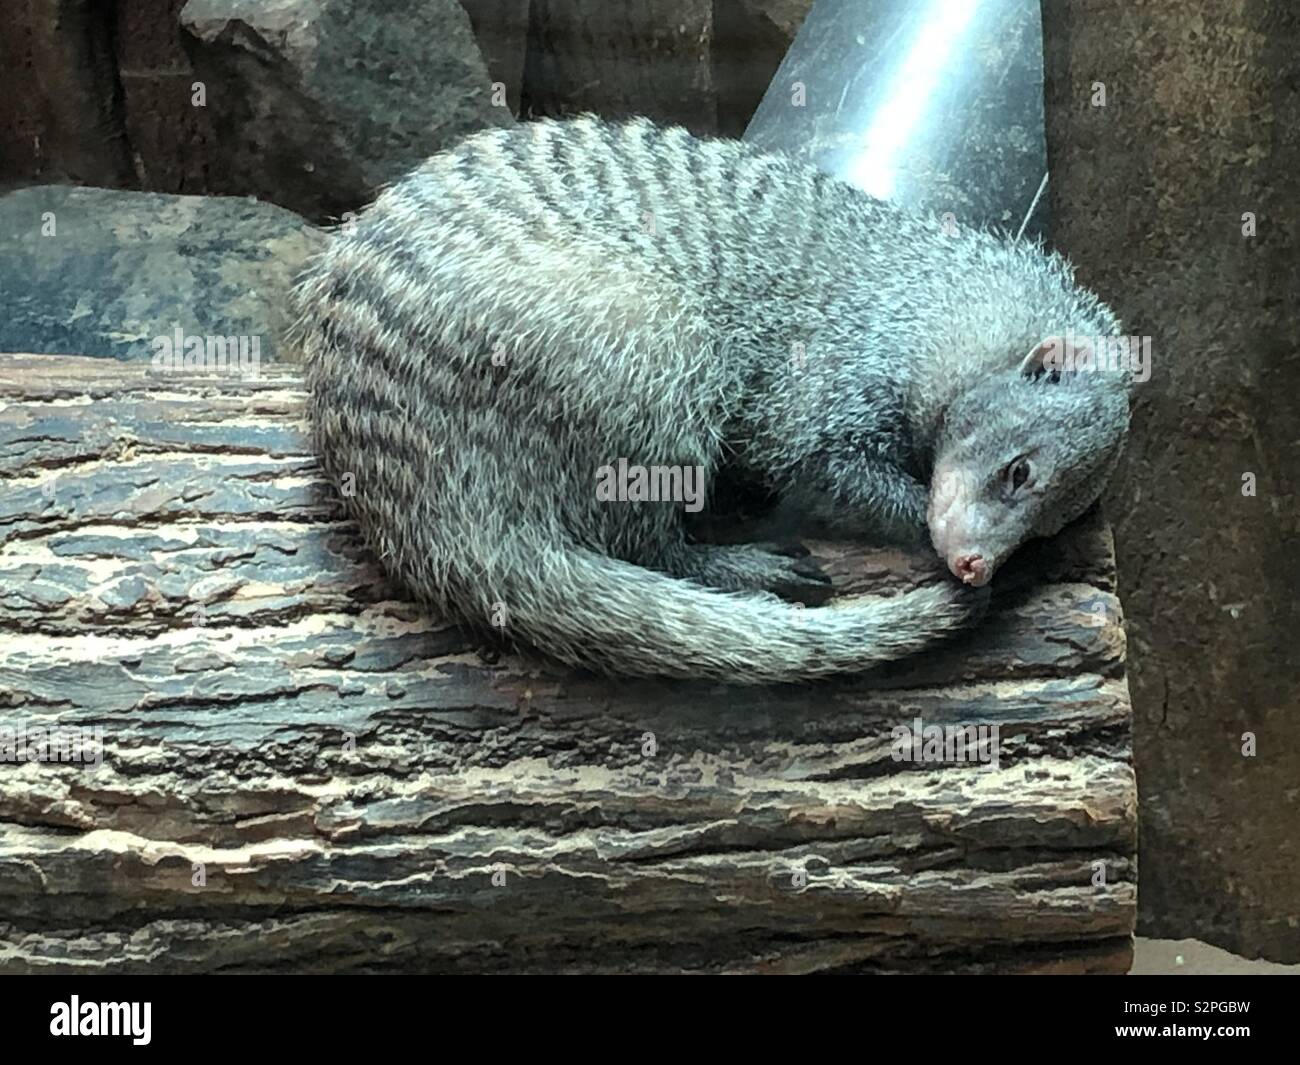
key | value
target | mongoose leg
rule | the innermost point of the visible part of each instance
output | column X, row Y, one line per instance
column 751, row 567
column 867, row 499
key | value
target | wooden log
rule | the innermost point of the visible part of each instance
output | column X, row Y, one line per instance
column 303, row 771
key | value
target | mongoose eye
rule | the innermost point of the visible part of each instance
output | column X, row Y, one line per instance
column 1018, row 474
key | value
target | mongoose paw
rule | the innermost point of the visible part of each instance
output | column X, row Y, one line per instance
column 802, row 581
column 783, row 570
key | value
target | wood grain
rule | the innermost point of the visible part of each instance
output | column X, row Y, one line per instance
column 302, row 771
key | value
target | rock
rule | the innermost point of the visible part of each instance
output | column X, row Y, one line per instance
column 313, row 103
column 118, row 270
column 316, row 103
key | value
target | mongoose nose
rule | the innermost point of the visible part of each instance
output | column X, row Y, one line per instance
column 972, row 569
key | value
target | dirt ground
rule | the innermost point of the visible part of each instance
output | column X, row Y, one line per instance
column 1191, row 957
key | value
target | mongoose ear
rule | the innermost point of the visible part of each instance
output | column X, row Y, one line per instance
column 1055, row 356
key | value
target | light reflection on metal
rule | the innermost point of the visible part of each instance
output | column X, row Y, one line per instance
column 935, row 104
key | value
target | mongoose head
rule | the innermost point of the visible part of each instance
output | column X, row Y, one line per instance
column 1021, row 454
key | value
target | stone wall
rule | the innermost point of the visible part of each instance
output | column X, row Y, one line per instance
column 1155, row 195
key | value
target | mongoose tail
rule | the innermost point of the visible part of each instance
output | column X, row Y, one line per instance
column 649, row 624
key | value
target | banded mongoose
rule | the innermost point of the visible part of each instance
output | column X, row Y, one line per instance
column 538, row 303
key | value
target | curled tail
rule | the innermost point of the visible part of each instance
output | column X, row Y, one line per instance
column 618, row 618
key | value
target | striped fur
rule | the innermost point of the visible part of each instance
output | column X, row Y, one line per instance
column 541, row 301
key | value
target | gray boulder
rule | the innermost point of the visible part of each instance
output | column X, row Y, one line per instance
column 316, row 103
column 108, row 273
